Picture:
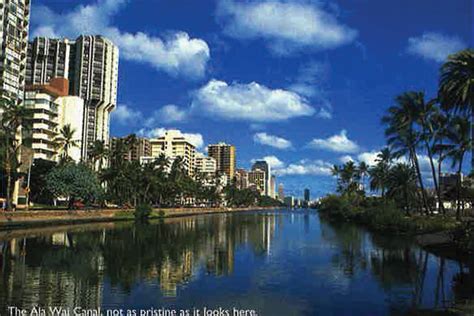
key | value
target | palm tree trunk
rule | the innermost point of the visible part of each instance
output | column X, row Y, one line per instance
column 459, row 187
column 8, row 171
column 440, row 162
column 433, row 172
column 420, row 180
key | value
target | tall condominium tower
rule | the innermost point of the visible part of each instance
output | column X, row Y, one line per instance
column 14, row 24
column 91, row 65
column 224, row 155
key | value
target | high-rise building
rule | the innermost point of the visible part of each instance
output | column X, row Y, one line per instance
column 241, row 179
column 306, row 195
column 141, row 147
column 272, row 187
column 265, row 167
column 91, row 65
column 49, row 58
column 204, row 165
column 53, row 108
column 281, row 193
column 257, row 178
column 14, row 21
column 173, row 144
column 225, row 157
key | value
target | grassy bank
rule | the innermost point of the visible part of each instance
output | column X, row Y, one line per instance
column 15, row 220
column 383, row 216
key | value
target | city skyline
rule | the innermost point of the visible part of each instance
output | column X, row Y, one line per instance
column 197, row 67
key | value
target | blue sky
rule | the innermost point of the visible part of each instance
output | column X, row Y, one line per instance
column 301, row 82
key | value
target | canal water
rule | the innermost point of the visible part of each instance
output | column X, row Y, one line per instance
column 269, row 263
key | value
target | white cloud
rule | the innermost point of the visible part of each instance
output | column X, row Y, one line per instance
column 434, row 46
column 369, row 157
column 125, row 115
column 300, row 168
column 251, row 102
column 194, row 138
column 176, row 54
column 346, row 158
column 271, row 140
column 337, row 143
column 306, row 167
column 171, row 113
column 273, row 161
column 288, row 26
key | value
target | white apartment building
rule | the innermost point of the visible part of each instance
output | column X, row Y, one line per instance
column 91, row 65
column 173, row 144
column 14, row 25
column 52, row 109
column 205, row 165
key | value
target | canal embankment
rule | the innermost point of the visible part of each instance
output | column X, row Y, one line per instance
column 27, row 219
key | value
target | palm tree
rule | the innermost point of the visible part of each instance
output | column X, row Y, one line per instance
column 65, row 141
column 98, row 152
column 461, row 143
column 456, row 84
column 13, row 117
column 403, row 136
column 427, row 114
column 401, row 184
column 363, row 171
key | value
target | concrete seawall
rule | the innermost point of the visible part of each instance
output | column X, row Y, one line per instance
column 25, row 219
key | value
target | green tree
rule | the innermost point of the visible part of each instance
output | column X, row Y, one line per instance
column 401, row 185
column 403, row 136
column 98, row 153
column 38, row 189
column 13, row 117
column 461, row 143
column 74, row 182
column 456, row 84
column 65, row 141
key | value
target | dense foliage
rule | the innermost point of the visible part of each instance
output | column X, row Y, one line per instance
column 74, row 182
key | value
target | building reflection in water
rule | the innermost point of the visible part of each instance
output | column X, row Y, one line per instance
column 69, row 269
column 72, row 269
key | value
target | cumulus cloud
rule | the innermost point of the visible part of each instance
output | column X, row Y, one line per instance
column 337, row 143
column 194, row 138
column 300, row 168
column 250, row 102
column 434, row 46
column 368, row 157
column 271, row 140
column 125, row 115
column 171, row 113
column 306, row 167
column 288, row 26
column 176, row 54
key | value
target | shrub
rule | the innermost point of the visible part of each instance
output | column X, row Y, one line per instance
column 142, row 212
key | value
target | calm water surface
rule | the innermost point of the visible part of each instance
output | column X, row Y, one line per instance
column 277, row 263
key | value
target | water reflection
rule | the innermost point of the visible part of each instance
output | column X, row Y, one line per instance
column 252, row 258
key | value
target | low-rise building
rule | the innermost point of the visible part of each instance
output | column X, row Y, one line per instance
column 206, row 166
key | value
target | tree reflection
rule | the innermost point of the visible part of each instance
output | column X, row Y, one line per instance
column 402, row 270
column 69, row 269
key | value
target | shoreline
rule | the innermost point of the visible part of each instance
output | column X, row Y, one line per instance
column 437, row 242
column 32, row 219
